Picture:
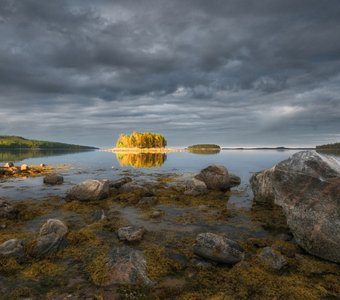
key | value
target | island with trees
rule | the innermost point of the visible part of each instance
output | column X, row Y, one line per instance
column 204, row 148
column 331, row 148
column 18, row 143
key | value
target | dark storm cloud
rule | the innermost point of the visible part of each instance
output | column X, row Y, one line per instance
column 232, row 72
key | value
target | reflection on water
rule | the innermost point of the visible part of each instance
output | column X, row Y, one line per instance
column 141, row 160
column 21, row 154
column 332, row 152
column 204, row 152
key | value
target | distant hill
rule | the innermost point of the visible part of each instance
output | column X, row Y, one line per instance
column 335, row 146
column 18, row 142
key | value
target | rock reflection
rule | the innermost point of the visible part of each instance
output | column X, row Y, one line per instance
column 141, row 160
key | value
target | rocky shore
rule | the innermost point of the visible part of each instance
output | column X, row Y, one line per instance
column 171, row 237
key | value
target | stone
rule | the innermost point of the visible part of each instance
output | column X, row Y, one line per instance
column 7, row 211
column 234, row 180
column 148, row 200
column 9, row 164
column 53, row 179
column 215, row 177
column 42, row 165
column 89, row 190
column 196, row 188
column 133, row 187
column 123, row 265
column 24, row 167
column 13, row 248
column 156, row 214
column 51, row 237
column 120, row 182
column 307, row 187
column 131, row 233
column 218, row 248
column 272, row 258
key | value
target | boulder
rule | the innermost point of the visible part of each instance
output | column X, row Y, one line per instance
column 234, row 180
column 307, row 187
column 89, row 190
column 196, row 188
column 53, row 179
column 215, row 177
column 272, row 259
column 9, row 164
column 13, row 248
column 120, row 182
column 218, row 248
column 123, row 265
column 42, row 165
column 133, row 187
column 51, row 237
column 24, row 167
column 7, row 211
column 131, row 233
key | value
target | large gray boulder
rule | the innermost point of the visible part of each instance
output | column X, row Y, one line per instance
column 51, row 237
column 8, row 211
column 89, row 190
column 307, row 187
column 123, row 265
column 218, row 248
column 215, row 177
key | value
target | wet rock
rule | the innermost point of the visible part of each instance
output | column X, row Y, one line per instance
column 13, row 248
column 51, row 237
column 24, row 168
column 196, row 188
column 131, row 233
column 202, row 263
column 133, row 187
column 123, row 265
column 156, row 214
column 9, row 164
column 218, row 248
column 272, row 258
column 7, row 211
column 203, row 207
column 307, row 187
column 42, row 165
column 120, row 182
column 3, row 226
column 215, row 177
column 89, row 190
column 180, row 259
column 148, row 200
column 234, row 180
column 53, row 179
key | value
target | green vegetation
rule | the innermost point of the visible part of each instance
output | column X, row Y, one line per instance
column 18, row 142
column 204, row 147
column 335, row 146
column 141, row 140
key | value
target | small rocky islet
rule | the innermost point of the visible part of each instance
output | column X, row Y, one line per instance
column 177, row 238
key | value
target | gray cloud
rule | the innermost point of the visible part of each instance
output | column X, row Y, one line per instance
column 231, row 72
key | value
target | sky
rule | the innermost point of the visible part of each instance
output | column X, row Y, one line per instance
column 231, row 72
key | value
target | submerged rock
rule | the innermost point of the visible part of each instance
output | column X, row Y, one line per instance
column 218, row 248
column 215, row 177
column 133, row 187
column 89, row 190
column 53, row 179
column 120, row 182
column 13, row 248
column 7, row 211
column 131, row 233
column 51, row 237
column 122, row 265
column 148, row 200
column 9, row 164
column 234, row 180
column 307, row 187
column 272, row 258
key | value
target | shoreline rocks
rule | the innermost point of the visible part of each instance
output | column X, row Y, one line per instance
column 215, row 177
column 53, row 179
column 218, row 248
column 89, row 190
column 7, row 211
column 307, row 187
column 131, row 233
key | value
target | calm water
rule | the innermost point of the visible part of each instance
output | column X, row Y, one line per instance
column 100, row 165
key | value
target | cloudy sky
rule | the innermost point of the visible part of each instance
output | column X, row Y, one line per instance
column 232, row 72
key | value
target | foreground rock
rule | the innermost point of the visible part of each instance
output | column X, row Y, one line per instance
column 131, row 233
column 218, row 248
column 196, row 188
column 13, row 248
column 53, row 179
column 133, row 187
column 123, row 265
column 7, row 211
column 215, row 177
column 307, row 187
column 89, row 190
column 272, row 259
column 9, row 165
column 51, row 237
column 120, row 182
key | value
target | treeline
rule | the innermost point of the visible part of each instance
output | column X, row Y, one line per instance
column 18, row 142
column 335, row 146
column 141, row 140
column 204, row 146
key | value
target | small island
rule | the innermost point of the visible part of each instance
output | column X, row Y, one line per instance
column 204, row 149
column 329, row 147
column 18, row 142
